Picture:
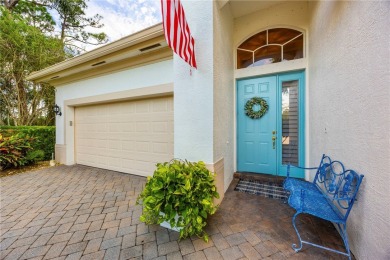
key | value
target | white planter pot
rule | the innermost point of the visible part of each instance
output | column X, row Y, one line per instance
column 167, row 225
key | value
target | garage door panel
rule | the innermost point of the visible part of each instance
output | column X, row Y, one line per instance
column 101, row 159
column 97, row 128
column 101, row 144
column 156, row 116
column 90, row 159
column 128, row 145
column 161, row 148
column 90, row 136
column 115, row 162
column 161, row 127
column 116, row 136
column 142, row 146
column 128, row 127
column 160, row 105
column 114, row 153
column 128, row 108
column 115, row 108
column 115, row 127
column 116, row 119
column 142, row 127
column 127, row 164
column 87, row 150
column 99, row 156
column 91, row 133
column 150, row 157
column 149, row 137
column 92, row 119
column 84, row 143
column 95, row 151
column 129, row 137
column 142, row 106
column 115, row 144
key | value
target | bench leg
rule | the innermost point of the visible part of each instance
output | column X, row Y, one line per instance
column 343, row 232
column 344, row 236
column 294, row 246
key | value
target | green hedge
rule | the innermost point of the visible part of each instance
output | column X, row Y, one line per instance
column 44, row 137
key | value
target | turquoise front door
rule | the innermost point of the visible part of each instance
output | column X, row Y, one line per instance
column 256, row 147
column 268, row 144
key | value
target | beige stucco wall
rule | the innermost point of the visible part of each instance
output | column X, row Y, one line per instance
column 193, row 133
column 223, row 90
column 194, row 95
column 204, row 97
column 349, row 65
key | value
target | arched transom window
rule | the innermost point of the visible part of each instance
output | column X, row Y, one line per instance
column 270, row 46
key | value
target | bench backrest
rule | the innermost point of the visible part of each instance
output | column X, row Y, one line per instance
column 339, row 185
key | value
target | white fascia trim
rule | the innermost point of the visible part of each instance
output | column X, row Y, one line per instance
column 144, row 35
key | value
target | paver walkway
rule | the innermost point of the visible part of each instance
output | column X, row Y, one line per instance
column 79, row 212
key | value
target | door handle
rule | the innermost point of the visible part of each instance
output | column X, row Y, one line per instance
column 273, row 142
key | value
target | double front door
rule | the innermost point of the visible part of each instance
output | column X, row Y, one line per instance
column 269, row 143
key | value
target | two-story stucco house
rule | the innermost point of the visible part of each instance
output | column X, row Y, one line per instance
column 321, row 66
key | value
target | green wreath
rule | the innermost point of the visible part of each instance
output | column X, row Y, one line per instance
column 256, row 101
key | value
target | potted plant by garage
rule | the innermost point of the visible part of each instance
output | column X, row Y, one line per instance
column 180, row 194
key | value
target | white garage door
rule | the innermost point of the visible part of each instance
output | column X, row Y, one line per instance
column 128, row 136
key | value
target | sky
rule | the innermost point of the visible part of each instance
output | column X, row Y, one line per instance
column 124, row 17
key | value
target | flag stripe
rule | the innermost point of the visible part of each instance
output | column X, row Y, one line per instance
column 176, row 30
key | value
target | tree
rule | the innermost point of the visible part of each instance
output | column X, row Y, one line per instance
column 10, row 4
column 36, row 14
column 74, row 23
column 29, row 42
column 24, row 48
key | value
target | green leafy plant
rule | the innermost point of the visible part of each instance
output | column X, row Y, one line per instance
column 13, row 151
column 35, row 156
column 44, row 137
column 181, row 193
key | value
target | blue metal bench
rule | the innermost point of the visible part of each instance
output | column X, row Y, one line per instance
column 330, row 196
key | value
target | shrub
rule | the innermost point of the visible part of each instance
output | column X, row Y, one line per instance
column 35, row 156
column 13, row 151
column 181, row 193
column 17, row 151
column 43, row 137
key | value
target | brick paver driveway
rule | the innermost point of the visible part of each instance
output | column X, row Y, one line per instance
column 73, row 212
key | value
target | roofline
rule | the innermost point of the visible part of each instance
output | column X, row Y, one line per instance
column 125, row 42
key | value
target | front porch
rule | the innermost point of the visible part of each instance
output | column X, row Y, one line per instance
column 80, row 212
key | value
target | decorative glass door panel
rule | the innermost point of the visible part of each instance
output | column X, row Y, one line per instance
column 290, row 122
column 291, row 87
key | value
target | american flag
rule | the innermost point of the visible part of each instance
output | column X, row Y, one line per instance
column 177, row 32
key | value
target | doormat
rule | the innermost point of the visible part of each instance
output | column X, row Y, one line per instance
column 266, row 189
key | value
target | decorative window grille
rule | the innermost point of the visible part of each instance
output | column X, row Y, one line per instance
column 270, row 46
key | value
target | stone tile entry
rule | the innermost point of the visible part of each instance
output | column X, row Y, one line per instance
column 79, row 212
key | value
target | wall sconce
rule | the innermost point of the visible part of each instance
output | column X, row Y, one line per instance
column 57, row 110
